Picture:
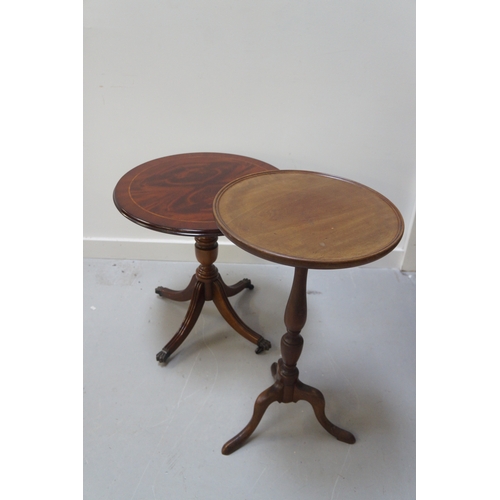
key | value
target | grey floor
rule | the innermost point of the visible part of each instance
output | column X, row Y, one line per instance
column 155, row 432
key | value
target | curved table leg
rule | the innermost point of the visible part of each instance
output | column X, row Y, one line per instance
column 178, row 295
column 229, row 314
column 267, row 397
column 317, row 401
column 195, row 307
column 231, row 290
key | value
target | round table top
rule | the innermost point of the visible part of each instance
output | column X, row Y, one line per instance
column 175, row 194
column 308, row 219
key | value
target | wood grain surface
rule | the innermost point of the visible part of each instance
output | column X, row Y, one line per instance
column 174, row 194
column 308, row 219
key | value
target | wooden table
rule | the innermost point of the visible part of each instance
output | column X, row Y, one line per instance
column 306, row 220
column 174, row 195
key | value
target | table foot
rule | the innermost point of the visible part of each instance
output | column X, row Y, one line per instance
column 178, row 295
column 162, row 356
column 269, row 396
column 262, row 345
column 195, row 307
column 229, row 314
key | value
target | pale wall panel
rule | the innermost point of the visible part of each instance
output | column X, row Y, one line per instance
column 325, row 86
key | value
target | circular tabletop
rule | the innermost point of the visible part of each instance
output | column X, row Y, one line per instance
column 308, row 219
column 175, row 194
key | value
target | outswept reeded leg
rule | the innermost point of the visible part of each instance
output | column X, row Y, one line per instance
column 178, row 295
column 231, row 290
column 195, row 307
column 207, row 285
column 287, row 387
column 229, row 314
column 267, row 397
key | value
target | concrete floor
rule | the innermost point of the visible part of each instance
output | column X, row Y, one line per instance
column 155, row 432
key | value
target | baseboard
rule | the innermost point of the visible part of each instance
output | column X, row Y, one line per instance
column 182, row 250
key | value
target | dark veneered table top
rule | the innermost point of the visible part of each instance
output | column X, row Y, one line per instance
column 308, row 219
column 175, row 194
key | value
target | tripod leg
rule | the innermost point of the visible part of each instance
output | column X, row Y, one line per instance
column 317, row 401
column 267, row 397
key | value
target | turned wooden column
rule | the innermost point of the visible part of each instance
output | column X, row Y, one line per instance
column 206, row 250
column 292, row 341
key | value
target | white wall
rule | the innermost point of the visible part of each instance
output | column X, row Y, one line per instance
column 319, row 85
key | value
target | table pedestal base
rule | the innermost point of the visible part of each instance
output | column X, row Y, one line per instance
column 287, row 387
column 205, row 285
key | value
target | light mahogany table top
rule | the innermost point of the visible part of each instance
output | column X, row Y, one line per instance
column 308, row 219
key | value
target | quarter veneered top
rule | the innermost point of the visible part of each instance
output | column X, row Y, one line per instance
column 308, row 219
column 175, row 194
